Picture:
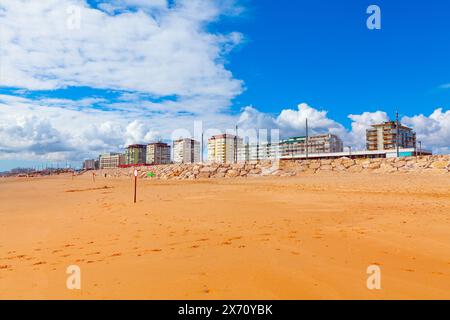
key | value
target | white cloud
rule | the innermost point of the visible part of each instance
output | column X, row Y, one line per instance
column 67, row 130
column 32, row 130
column 356, row 137
column 291, row 122
column 169, row 71
column 160, row 51
column 432, row 130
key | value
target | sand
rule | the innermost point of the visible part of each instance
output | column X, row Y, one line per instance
column 309, row 237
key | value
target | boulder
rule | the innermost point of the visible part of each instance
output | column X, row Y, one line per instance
column 232, row 173
column 439, row 165
column 314, row 165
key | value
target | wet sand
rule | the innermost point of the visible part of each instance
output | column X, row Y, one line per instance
column 309, row 237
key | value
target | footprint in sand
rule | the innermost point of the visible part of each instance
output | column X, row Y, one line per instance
column 93, row 253
column 117, row 254
column 39, row 263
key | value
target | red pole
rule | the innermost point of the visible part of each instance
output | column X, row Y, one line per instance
column 135, row 184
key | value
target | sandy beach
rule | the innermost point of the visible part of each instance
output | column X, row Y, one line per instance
column 307, row 237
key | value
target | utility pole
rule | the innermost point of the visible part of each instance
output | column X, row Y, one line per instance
column 235, row 145
column 420, row 148
column 307, row 140
column 201, row 153
column 257, row 147
column 397, row 135
column 350, row 151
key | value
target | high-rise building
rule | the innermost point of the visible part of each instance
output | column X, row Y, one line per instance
column 111, row 160
column 89, row 164
column 224, row 148
column 324, row 143
column 384, row 136
column 255, row 152
column 158, row 153
column 186, row 151
column 136, row 154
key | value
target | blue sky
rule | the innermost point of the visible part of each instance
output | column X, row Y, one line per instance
column 222, row 62
column 321, row 52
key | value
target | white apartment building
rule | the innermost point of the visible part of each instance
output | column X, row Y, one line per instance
column 158, row 153
column 111, row 160
column 186, row 151
column 224, row 148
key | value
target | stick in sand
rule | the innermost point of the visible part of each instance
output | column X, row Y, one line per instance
column 135, row 184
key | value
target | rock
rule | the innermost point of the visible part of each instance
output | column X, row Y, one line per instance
column 339, row 168
column 355, row 168
column 326, row 167
column 348, row 163
column 204, row 175
column 219, row 175
column 232, row 173
column 207, row 169
column 439, row 165
column 374, row 165
column 256, row 171
column 399, row 164
column 314, row 165
column 222, row 170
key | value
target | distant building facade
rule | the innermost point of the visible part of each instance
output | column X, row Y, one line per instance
column 324, row 143
column 186, row 151
column 158, row 153
column 136, row 154
column 384, row 136
column 224, row 148
column 90, row 164
column 261, row 151
column 111, row 160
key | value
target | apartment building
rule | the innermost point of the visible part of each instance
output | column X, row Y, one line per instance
column 324, row 143
column 135, row 154
column 90, row 164
column 255, row 152
column 111, row 160
column 158, row 153
column 224, row 148
column 384, row 136
column 186, row 151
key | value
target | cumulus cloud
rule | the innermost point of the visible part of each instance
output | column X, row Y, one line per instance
column 291, row 122
column 159, row 51
column 30, row 129
column 161, row 60
column 356, row 137
column 432, row 130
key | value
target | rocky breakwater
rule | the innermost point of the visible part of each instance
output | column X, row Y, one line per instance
column 198, row 171
column 423, row 164
column 439, row 164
